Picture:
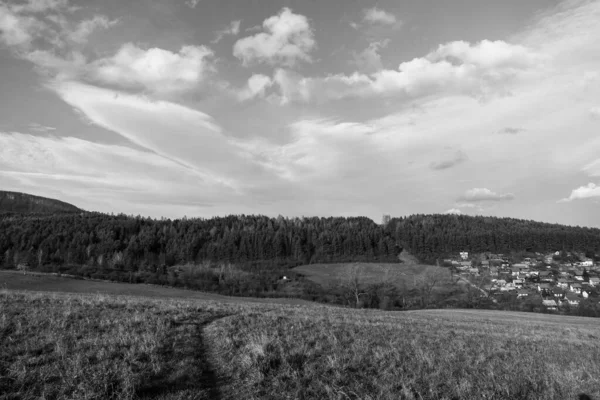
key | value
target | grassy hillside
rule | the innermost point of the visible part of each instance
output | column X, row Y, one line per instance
column 14, row 280
column 101, row 347
column 27, row 203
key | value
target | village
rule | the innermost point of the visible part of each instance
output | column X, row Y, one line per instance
column 555, row 281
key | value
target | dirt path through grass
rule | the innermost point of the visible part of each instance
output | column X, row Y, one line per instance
column 208, row 379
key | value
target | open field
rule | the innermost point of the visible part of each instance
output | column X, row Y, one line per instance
column 73, row 346
column 49, row 283
column 370, row 273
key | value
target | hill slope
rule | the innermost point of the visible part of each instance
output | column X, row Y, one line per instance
column 27, row 203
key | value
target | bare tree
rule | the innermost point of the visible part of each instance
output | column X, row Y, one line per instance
column 353, row 284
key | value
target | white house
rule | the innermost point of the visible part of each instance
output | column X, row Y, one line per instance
column 575, row 288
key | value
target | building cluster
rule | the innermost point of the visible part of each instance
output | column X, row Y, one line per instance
column 540, row 278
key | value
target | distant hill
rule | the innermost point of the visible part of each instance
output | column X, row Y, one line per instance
column 15, row 202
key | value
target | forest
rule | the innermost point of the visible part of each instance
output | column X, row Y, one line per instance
column 431, row 237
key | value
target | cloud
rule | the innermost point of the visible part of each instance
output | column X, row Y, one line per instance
column 155, row 69
column 591, row 190
column 457, row 158
column 192, row 3
column 483, row 194
column 256, row 87
column 287, row 39
column 510, row 131
column 42, row 6
column 369, row 60
column 34, row 126
column 231, row 30
column 97, row 173
column 595, row 112
column 479, row 70
column 378, row 16
column 86, row 27
column 453, row 211
column 17, row 30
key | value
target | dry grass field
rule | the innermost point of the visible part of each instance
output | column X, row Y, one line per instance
column 402, row 274
column 76, row 346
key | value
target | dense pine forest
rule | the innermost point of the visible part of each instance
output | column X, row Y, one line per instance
column 431, row 237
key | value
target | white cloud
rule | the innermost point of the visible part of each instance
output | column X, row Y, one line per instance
column 453, row 211
column 595, row 112
column 455, row 68
column 369, row 60
column 256, row 87
column 17, row 30
column 591, row 190
column 287, row 39
column 233, row 29
column 378, row 16
column 86, row 27
column 192, row 3
column 41, row 6
column 155, row 69
column 96, row 173
column 483, row 194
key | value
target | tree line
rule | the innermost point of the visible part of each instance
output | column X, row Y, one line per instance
column 432, row 237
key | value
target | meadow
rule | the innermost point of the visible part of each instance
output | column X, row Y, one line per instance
column 401, row 275
column 99, row 346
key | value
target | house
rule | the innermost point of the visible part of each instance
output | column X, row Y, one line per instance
column 563, row 283
column 544, row 287
column 586, row 263
column 575, row 288
column 522, row 293
column 464, row 265
column 515, row 271
column 474, row 271
column 572, row 299
column 594, row 281
column 485, row 264
column 550, row 304
column 558, row 292
column 534, row 273
column 585, row 294
column 518, row 283
column 464, row 255
column 546, row 276
column 500, row 282
column 493, row 271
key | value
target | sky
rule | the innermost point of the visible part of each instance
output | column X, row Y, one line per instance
column 204, row 108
